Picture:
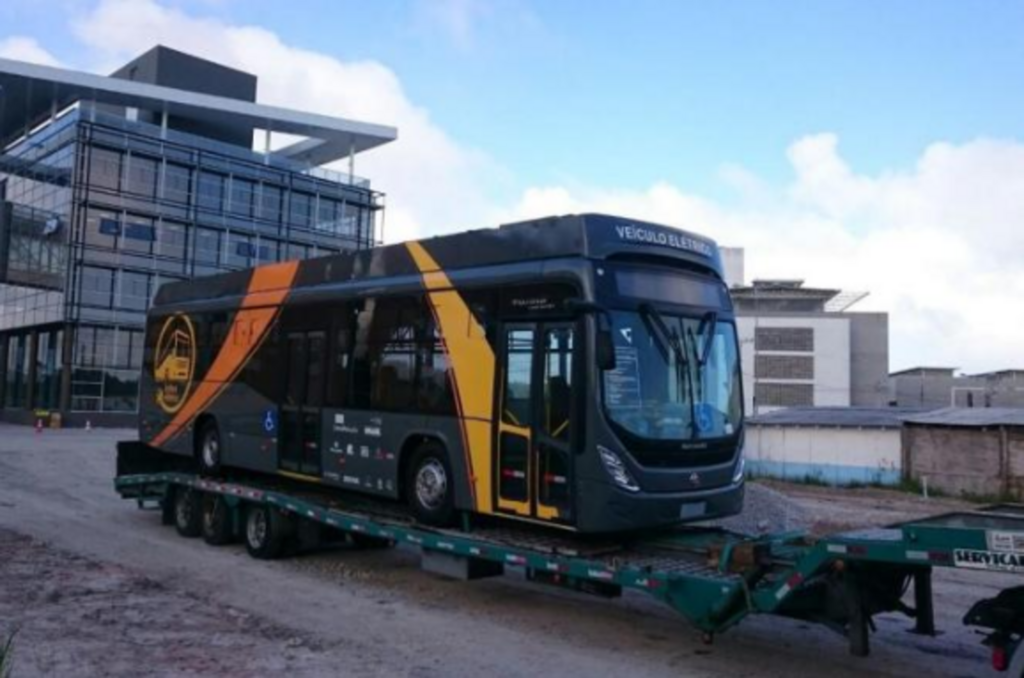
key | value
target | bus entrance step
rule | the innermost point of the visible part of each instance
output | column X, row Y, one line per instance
column 460, row 567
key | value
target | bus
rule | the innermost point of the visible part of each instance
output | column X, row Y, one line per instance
column 578, row 371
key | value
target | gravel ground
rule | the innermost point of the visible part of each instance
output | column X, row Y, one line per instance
column 100, row 588
column 765, row 510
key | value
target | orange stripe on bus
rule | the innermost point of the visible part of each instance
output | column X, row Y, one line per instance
column 472, row 360
column 268, row 288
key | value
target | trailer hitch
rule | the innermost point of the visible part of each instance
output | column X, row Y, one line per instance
column 1004, row 614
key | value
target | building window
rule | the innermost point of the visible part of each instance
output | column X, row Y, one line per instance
column 240, row 251
column 297, row 251
column 784, row 366
column 105, row 169
column 769, row 394
column 207, row 246
column 242, row 196
column 177, row 183
column 97, row 287
column 301, row 211
column 211, row 192
column 134, row 291
column 797, row 339
column 173, row 240
column 141, row 176
column 270, row 203
column 139, row 234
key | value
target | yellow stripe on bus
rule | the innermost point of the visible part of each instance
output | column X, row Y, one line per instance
column 472, row 360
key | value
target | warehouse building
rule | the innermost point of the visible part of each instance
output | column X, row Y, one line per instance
column 943, row 387
column 113, row 186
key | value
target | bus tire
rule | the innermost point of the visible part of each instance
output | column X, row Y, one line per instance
column 430, row 487
column 188, row 516
column 266, row 532
column 217, row 524
column 208, row 447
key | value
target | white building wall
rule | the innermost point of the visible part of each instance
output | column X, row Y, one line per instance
column 834, row 455
column 832, row 358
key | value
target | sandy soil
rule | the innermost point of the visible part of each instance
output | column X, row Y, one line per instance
column 97, row 587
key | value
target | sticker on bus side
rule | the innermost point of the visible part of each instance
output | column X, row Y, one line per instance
column 988, row 560
column 1005, row 542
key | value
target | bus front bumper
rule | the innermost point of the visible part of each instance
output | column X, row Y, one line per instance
column 614, row 510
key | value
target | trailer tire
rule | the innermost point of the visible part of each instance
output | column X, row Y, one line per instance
column 188, row 518
column 217, row 524
column 429, row 485
column 167, row 506
column 266, row 532
column 208, row 447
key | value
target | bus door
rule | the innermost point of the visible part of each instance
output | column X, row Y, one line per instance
column 536, row 427
column 304, row 394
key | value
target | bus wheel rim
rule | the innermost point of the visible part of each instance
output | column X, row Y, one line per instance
column 431, row 484
column 210, row 451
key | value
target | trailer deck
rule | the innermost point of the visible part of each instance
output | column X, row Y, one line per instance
column 713, row 577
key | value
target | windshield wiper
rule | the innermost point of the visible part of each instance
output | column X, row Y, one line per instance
column 670, row 339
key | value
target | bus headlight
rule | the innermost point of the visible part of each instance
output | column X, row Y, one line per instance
column 617, row 470
column 741, row 470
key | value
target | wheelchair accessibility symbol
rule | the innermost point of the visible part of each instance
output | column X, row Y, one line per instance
column 704, row 420
column 270, row 421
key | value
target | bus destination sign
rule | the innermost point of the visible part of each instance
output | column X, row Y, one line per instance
column 645, row 235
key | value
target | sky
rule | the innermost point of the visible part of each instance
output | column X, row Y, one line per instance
column 856, row 145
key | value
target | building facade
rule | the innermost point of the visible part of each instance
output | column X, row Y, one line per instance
column 802, row 347
column 111, row 187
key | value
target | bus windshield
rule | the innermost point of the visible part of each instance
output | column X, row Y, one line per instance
column 675, row 378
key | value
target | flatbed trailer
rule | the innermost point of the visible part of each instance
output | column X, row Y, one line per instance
column 713, row 577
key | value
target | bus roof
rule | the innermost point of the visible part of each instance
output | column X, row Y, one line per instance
column 594, row 236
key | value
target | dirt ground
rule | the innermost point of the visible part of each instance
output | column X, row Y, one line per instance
column 96, row 587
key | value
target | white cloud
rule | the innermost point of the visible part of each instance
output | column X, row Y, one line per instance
column 28, row 49
column 433, row 183
column 938, row 246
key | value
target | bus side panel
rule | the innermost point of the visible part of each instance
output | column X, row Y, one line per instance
column 363, row 450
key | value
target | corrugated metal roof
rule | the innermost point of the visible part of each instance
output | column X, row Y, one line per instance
column 839, row 417
column 970, row 416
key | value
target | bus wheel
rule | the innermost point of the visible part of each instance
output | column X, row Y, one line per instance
column 266, row 532
column 188, row 519
column 208, row 447
column 429, row 485
column 216, row 520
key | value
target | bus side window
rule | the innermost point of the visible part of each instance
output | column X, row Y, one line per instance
column 340, row 356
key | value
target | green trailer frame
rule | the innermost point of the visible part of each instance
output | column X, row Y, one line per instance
column 713, row 577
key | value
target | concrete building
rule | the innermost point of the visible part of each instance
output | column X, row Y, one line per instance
column 943, row 387
column 837, row 445
column 803, row 347
column 974, row 451
column 112, row 186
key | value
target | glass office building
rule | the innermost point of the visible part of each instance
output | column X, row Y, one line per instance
column 101, row 203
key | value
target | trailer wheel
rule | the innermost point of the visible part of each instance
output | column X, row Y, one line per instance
column 208, row 447
column 429, row 485
column 266, row 532
column 217, row 527
column 188, row 516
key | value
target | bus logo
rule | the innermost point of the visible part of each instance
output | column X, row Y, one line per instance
column 174, row 363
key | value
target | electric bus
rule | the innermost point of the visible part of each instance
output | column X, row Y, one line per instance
column 578, row 371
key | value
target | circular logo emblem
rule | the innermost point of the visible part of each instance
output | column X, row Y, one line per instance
column 174, row 362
